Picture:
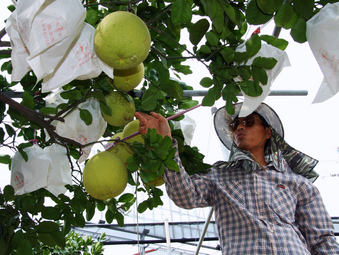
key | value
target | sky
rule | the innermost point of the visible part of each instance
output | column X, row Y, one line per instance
column 310, row 128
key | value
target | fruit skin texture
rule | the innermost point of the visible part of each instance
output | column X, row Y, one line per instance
column 122, row 109
column 122, row 40
column 120, row 149
column 126, row 80
column 129, row 129
column 105, row 176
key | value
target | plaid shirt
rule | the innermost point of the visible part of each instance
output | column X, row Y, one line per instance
column 256, row 211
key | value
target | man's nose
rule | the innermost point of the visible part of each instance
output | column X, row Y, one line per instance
column 241, row 125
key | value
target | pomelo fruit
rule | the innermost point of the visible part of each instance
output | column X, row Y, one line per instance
column 122, row 107
column 126, row 80
column 122, row 40
column 120, row 149
column 105, row 176
column 130, row 129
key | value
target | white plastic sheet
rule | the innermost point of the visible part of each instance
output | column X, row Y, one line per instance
column 45, row 168
column 74, row 127
column 323, row 34
column 267, row 50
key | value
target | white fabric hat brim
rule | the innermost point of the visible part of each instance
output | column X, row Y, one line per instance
column 222, row 119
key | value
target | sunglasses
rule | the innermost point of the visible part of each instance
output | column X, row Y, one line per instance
column 247, row 122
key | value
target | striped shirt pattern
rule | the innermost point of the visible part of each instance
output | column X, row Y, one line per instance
column 257, row 212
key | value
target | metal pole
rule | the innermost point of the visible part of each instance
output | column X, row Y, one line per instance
column 168, row 237
column 191, row 93
column 204, row 231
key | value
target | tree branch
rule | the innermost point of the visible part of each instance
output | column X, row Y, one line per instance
column 34, row 116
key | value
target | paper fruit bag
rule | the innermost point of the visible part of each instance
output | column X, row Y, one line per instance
column 48, row 28
column 187, row 125
column 267, row 50
column 19, row 51
column 46, row 168
column 74, row 127
column 322, row 32
column 81, row 62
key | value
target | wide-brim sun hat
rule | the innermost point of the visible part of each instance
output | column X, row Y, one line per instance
column 222, row 119
column 299, row 162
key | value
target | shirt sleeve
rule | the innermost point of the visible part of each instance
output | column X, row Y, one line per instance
column 187, row 191
column 314, row 221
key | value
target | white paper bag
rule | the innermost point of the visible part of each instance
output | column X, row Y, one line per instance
column 267, row 50
column 59, row 173
column 46, row 168
column 31, row 175
column 187, row 125
column 74, row 127
column 322, row 32
column 81, row 62
column 19, row 51
column 48, row 28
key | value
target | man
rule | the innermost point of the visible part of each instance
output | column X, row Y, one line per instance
column 263, row 199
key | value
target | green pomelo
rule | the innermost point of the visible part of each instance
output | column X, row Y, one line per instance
column 122, row 107
column 120, row 149
column 122, row 40
column 126, row 80
column 130, row 129
column 105, row 176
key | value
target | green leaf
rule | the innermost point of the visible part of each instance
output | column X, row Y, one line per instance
column 8, row 192
column 80, row 220
column 276, row 42
column 17, row 237
column 90, row 210
column 28, row 100
column 51, row 213
column 250, row 89
column 261, row 74
column 47, row 227
column 254, row 15
column 127, row 197
column 86, row 116
column 230, row 11
column 212, row 38
column 206, row 82
column 120, row 219
column 269, row 6
column 172, row 165
column 172, row 88
column 298, row 31
column 181, row 12
column 212, row 95
column 59, row 238
column 91, row 16
column 47, row 239
column 24, row 247
column 253, row 45
column 5, row 159
column 10, row 131
column 48, row 110
column 109, row 216
column 142, row 207
column 228, row 54
column 304, row 7
column 285, row 17
column 198, row 30
column 267, row 63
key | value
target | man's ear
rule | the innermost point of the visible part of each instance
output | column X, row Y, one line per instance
column 269, row 133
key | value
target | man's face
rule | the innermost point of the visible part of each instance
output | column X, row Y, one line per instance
column 248, row 137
